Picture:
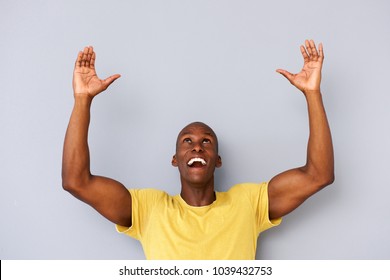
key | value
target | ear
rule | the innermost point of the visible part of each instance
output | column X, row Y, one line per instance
column 174, row 161
column 219, row 162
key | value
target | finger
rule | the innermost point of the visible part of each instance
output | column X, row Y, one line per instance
column 321, row 52
column 313, row 49
column 79, row 58
column 84, row 57
column 107, row 82
column 308, row 48
column 89, row 55
column 93, row 58
column 289, row 76
column 304, row 54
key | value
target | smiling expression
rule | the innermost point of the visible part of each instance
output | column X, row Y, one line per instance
column 197, row 155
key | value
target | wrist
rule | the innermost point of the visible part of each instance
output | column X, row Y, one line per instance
column 313, row 97
column 308, row 91
column 83, row 99
column 311, row 92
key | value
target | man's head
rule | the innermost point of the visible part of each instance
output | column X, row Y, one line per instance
column 197, row 154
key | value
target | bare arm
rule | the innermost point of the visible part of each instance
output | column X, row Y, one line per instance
column 291, row 188
column 109, row 197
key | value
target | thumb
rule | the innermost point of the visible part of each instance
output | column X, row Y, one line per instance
column 286, row 74
column 108, row 81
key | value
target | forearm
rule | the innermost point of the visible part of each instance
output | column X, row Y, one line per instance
column 76, row 162
column 320, row 162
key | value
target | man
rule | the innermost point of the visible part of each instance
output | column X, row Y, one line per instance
column 198, row 223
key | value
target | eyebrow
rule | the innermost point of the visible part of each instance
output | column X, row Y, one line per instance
column 189, row 133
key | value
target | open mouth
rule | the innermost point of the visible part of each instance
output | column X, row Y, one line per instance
column 196, row 162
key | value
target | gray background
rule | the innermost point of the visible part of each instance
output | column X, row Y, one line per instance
column 183, row 61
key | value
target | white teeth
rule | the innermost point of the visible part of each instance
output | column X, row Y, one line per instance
column 201, row 160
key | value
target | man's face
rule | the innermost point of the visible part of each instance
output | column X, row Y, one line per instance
column 197, row 154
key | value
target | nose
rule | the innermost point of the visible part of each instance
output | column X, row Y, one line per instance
column 197, row 147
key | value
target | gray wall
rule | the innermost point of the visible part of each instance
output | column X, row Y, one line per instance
column 182, row 61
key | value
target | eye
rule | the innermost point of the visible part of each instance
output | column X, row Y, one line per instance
column 187, row 140
column 206, row 140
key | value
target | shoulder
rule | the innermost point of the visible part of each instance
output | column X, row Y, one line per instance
column 252, row 193
column 249, row 189
column 147, row 194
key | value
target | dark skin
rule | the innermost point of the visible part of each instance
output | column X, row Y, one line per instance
column 197, row 140
column 110, row 198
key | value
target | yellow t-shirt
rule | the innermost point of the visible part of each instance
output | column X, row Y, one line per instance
column 169, row 228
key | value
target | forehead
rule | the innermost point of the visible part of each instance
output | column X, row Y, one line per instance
column 197, row 129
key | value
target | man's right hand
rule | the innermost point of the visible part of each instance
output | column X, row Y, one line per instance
column 85, row 80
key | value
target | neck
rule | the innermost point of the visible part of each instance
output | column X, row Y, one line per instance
column 198, row 195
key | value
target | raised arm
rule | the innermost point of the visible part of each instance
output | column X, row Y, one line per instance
column 291, row 188
column 109, row 197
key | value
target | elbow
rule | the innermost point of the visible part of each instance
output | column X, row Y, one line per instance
column 67, row 182
column 66, row 186
column 75, row 188
column 331, row 179
column 71, row 184
column 326, row 180
column 330, row 176
column 319, row 178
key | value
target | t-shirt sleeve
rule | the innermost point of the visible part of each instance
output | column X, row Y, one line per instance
column 143, row 202
column 258, row 197
column 264, row 221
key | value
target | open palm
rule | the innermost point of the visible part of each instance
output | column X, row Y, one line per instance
column 309, row 79
column 85, row 79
